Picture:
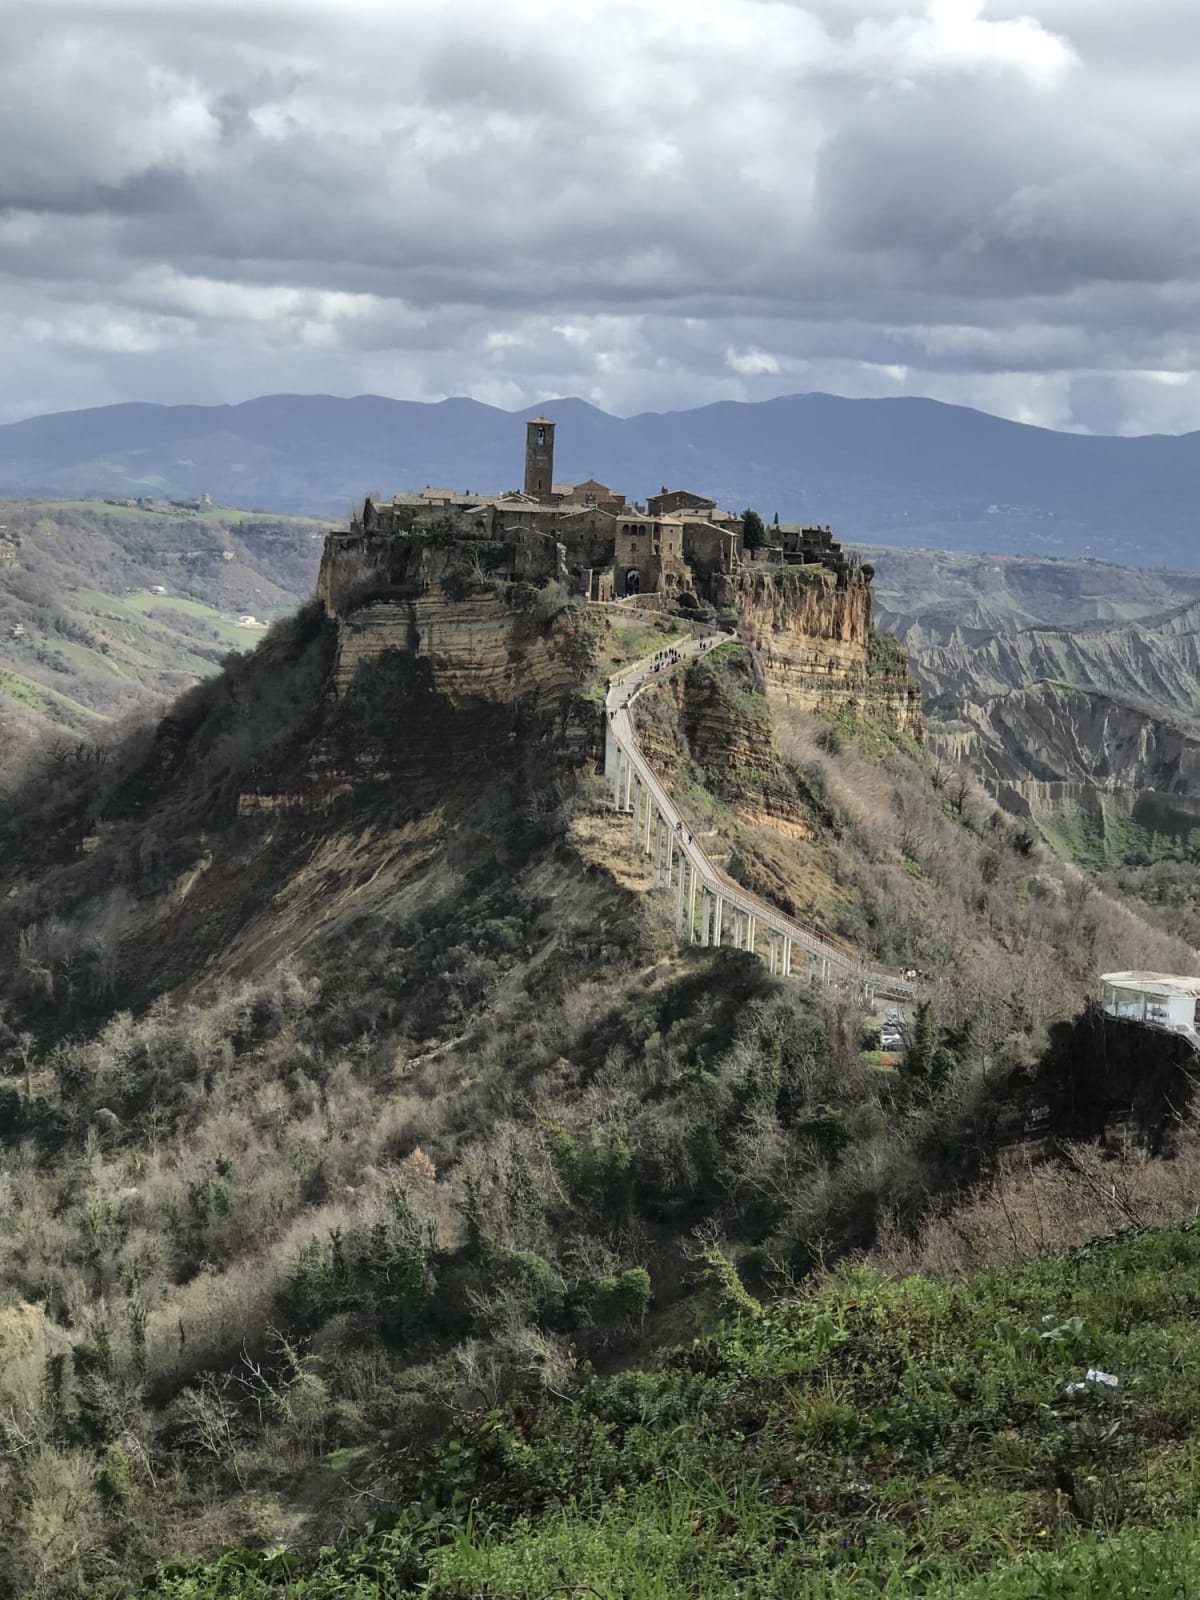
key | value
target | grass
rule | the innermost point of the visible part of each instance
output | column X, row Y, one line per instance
column 157, row 607
column 1106, row 834
column 873, row 1437
column 32, row 696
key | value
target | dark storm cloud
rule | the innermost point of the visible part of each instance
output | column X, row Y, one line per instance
column 649, row 202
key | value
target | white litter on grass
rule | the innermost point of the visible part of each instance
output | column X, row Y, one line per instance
column 1094, row 1379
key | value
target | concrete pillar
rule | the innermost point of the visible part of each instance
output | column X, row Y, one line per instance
column 656, row 851
column 670, row 852
column 706, row 910
column 636, row 809
column 628, row 783
column 693, row 885
column 718, row 918
column 787, row 956
column 680, row 898
column 751, row 933
column 651, row 814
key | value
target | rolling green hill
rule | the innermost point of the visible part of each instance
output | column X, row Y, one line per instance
column 106, row 609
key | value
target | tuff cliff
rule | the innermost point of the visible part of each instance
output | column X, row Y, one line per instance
column 810, row 630
column 478, row 635
column 479, row 659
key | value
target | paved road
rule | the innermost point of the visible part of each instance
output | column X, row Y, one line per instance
column 624, row 687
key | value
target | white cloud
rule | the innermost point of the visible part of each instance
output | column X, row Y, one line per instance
column 751, row 363
column 958, row 36
column 646, row 202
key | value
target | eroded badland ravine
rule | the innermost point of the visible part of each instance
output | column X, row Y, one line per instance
column 535, row 1080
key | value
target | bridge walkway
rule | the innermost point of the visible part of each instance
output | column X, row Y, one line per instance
column 710, row 908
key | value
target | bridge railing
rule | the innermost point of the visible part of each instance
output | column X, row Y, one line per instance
column 620, row 726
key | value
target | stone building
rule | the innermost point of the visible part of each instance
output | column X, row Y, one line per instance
column 539, row 457
column 585, row 535
column 672, row 500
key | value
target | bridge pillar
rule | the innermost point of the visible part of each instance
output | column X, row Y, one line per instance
column 636, row 810
column 693, row 886
column 706, row 910
column 679, row 902
column 751, row 933
column 628, row 784
column 718, row 917
column 787, row 956
column 651, row 813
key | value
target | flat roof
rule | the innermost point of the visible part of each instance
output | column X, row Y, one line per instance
column 1152, row 982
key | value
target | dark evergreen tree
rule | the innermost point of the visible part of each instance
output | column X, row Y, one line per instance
column 754, row 533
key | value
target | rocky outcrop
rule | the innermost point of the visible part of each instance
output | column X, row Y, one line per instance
column 440, row 667
column 471, row 651
column 1085, row 766
column 1090, row 728
column 1154, row 663
column 810, row 629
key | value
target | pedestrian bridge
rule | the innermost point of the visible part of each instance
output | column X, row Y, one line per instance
column 710, row 909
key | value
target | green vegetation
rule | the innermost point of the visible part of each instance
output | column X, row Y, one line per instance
column 754, row 533
column 886, row 656
column 83, row 634
column 347, row 1094
column 930, row 1438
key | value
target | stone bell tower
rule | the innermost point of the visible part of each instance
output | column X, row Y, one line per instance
column 539, row 457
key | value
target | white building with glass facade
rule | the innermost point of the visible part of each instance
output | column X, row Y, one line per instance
column 1158, row 999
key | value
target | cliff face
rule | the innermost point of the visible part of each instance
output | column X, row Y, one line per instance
column 474, row 669
column 811, row 634
column 472, row 651
column 1103, row 778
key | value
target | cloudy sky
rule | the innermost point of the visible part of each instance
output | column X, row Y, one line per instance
column 649, row 203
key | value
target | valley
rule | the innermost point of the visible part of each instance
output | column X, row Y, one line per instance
column 1070, row 688
column 109, row 610
column 377, row 1106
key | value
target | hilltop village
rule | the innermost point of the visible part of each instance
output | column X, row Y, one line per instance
column 677, row 544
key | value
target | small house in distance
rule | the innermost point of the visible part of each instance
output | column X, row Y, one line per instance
column 1158, row 999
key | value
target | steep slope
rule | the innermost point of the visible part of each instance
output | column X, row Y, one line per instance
column 106, row 609
column 927, row 1439
column 903, row 470
column 1153, row 662
column 1088, row 721
column 356, row 1078
column 925, row 596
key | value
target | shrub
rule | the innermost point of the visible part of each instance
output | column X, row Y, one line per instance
column 624, row 1297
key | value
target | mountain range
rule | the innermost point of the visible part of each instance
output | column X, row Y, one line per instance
column 900, row 471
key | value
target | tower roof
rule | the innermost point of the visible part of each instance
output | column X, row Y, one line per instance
column 545, row 420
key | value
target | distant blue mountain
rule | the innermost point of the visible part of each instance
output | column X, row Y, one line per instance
column 902, row 471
